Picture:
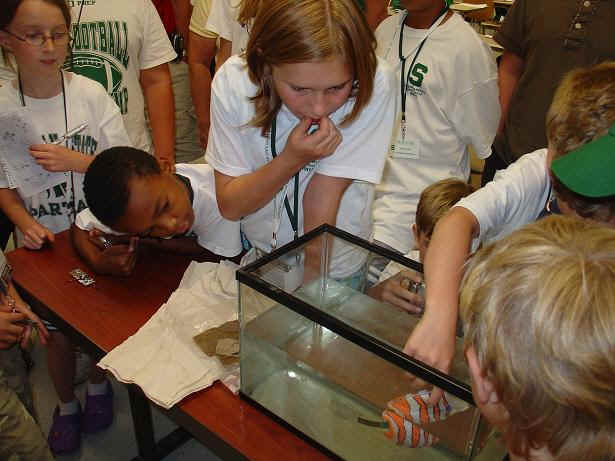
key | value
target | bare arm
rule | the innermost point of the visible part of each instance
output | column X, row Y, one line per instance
column 433, row 339
column 321, row 202
column 509, row 71
column 200, row 54
column 35, row 234
column 224, row 53
column 156, row 84
column 59, row 158
column 241, row 195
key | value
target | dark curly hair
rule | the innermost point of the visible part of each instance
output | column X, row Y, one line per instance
column 107, row 180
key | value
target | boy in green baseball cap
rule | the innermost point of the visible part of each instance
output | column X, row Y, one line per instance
column 575, row 175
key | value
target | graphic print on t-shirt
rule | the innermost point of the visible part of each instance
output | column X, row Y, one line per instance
column 100, row 52
column 414, row 86
column 59, row 199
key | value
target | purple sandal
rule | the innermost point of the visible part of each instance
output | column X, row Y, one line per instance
column 65, row 433
column 98, row 414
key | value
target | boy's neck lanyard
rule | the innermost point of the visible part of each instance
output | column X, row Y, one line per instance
column 293, row 216
column 406, row 79
column 23, row 104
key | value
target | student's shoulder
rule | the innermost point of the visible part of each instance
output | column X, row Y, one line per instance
column 201, row 176
column 386, row 29
column 384, row 79
column 533, row 162
column 234, row 75
column 466, row 49
column 88, row 91
column 467, row 40
column 81, row 83
column 8, row 93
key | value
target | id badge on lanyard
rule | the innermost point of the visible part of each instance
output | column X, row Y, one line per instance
column 280, row 199
column 406, row 147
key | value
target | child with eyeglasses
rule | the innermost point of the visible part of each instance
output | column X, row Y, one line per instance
column 36, row 33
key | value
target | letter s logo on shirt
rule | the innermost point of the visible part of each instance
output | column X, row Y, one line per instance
column 418, row 74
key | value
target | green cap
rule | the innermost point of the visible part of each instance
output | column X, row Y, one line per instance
column 590, row 169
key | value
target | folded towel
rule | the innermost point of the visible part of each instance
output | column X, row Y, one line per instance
column 406, row 415
column 162, row 357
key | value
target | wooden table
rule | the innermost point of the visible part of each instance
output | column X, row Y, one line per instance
column 102, row 316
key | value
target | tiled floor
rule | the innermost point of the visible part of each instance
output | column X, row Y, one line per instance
column 117, row 442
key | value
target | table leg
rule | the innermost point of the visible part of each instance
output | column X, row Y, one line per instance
column 142, row 422
column 148, row 449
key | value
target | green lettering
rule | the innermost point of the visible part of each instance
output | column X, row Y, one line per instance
column 84, row 37
column 418, row 74
column 125, row 56
column 102, row 33
column 112, row 38
column 93, row 35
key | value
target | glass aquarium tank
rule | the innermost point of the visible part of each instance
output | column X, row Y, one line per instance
column 326, row 358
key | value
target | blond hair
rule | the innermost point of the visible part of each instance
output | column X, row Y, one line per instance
column 436, row 200
column 539, row 309
column 295, row 31
column 583, row 109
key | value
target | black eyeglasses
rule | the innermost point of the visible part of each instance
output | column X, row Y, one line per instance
column 39, row 39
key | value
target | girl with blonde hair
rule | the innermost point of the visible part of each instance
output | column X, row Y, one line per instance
column 300, row 126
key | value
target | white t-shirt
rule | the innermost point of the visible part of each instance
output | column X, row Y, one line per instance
column 86, row 101
column 114, row 41
column 6, row 73
column 451, row 102
column 212, row 231
column 223, row 21
column 198, row 20
column 515, row 197
column 236, row 149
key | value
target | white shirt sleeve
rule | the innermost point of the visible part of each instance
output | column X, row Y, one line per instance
column 198, row 20
column 156, row 48
column 221, row 18
column 110, row 124
column 86, row 221
column 476, row 113
column 362, row 152
column 514, row 198
column 230, row 111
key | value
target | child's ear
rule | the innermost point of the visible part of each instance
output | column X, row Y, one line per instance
column 415, row 232
column 484, row 390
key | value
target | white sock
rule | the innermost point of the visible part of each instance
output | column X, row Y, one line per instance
column 97, row 389
column 69, row 408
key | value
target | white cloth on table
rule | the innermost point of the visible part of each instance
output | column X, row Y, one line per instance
column 162, row 357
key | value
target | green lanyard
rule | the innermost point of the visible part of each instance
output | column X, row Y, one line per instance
column 293, row 216
column 405, row 80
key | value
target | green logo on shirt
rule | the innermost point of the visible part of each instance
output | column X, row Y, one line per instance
column 418, row 74
column 100, row 52
column 415, row 80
